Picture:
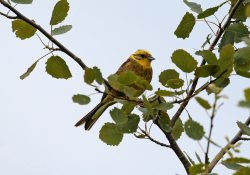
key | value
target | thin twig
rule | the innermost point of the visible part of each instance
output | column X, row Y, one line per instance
column 41, row 40
column 7, row 16
column 211, row 128
column 211, row 48
column 224, row 150
column 209, row 26
column 211, row 22
column 153, row 140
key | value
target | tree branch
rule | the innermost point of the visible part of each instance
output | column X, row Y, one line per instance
column 45, row 33
column 175, row 147
column 245, row 139
column 213, row 44
column 224, row 150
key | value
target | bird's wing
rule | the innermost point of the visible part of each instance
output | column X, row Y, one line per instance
column 124, row 67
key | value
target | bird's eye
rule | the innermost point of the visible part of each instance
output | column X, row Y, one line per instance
column 142, row 56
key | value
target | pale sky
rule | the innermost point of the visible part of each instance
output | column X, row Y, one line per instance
column 37, row 114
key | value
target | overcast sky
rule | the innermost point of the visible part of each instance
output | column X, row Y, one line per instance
column 37, row 116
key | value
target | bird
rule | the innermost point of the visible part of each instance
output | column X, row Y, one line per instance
column 140, row 64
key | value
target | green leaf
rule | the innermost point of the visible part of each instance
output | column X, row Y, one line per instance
column 243, row 171
column 222, row 82
column 226, row 61
column 29, row 70
column 164, row 122
column 175, row 83
column 197, row 169
column 98, row 75
column 242, row 61
column 232, row 166
column 184, row 61
column 131, row 125
column 234, row 33
column 227, row 38
column 164, row 106
column 198, row 157
column 244, row 104
column 167, row 75
column 204, row 103
column 128, row 107
column 57, row 68
column 147, row 105
column 178, row 129
column 194, row 130
column 61, row 30
column 118, row 116
column 244, row 128
column 247, row 8
column 127, row 78
column 22, row 29
column 143, row 84
column 247, row 94
column 22, row 1
column 239, row 30
column 246, row 40
column 93, row 74
column 208, row 12
column 237, row 160
column 111, row 134
column 206, row 70
column 193, row 6
column 208, row 56
column 81, row 99
column 243, row 73
column 186, row 26
column 164, row 93
column 60, row 12
column 89, row 76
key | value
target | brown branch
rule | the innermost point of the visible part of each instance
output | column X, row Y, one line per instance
column 45, row 33
column 175, row 147
column 244, row 139
column 213, row 44
column 153, row 140
column 224, row 150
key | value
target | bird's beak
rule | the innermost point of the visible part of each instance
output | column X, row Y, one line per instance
column 151, row 58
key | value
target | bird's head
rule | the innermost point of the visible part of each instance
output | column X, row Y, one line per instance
column 143, row 57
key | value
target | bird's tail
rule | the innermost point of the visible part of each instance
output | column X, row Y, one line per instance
column 94, row 115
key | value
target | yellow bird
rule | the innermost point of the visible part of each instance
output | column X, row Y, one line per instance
column 139, row 63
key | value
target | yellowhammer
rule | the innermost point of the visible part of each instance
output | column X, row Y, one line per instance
column 140, row 64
